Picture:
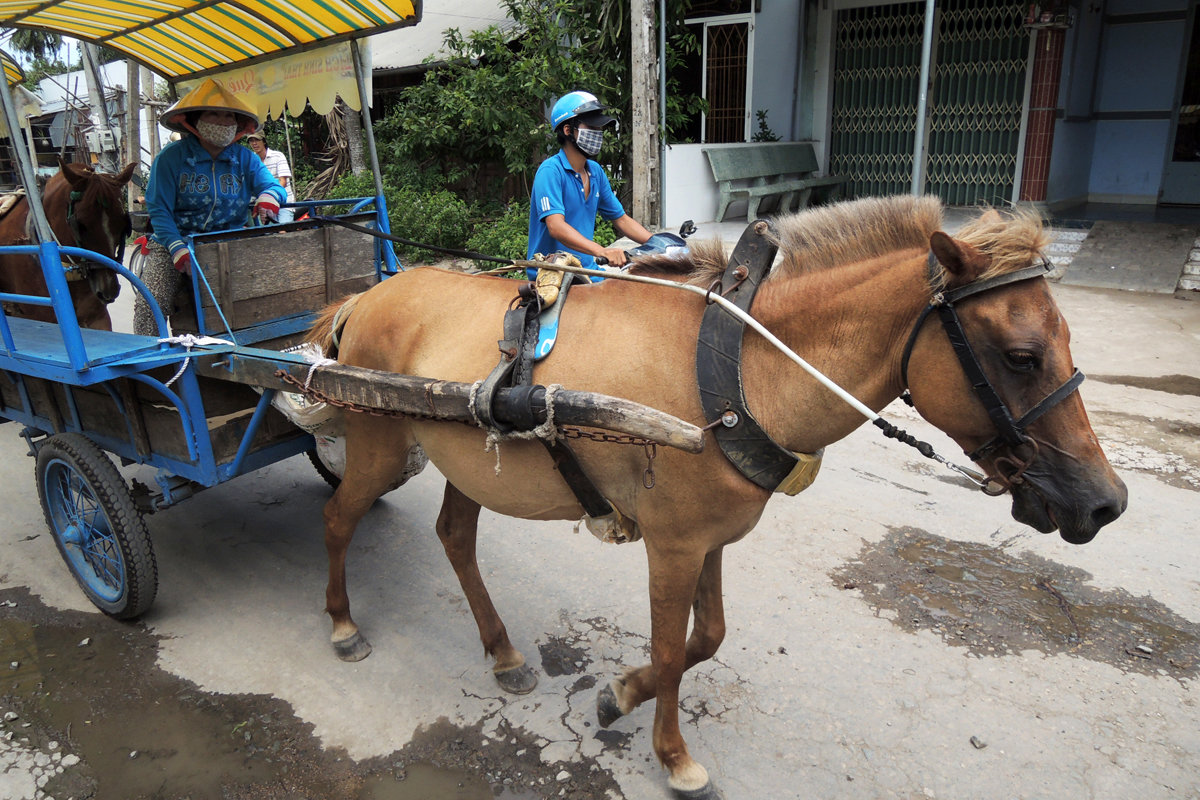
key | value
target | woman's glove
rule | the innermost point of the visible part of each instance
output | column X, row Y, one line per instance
column 266, row 207
column 183, row 260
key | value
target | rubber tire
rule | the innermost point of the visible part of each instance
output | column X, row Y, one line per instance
column 73, row 477
column 325, row 472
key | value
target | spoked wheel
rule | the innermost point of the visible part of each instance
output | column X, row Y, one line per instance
column 98, row 529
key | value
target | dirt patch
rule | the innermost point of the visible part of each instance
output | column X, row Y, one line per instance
column 1165, row 448
column 87, row 690
column 994, row 603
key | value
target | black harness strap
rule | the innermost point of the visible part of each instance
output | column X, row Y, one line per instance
column 719, row 367
column 1009, row 432
column 515, row 370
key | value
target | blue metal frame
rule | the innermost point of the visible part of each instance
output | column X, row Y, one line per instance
column 66, row 354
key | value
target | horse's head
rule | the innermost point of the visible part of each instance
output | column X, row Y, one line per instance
column 87, row 209
column 1018, row 414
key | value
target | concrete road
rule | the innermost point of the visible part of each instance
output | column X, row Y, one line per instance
column 820, row 691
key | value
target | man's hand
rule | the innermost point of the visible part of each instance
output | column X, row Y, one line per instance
column 183, row 260
column 615, row 256
column 266, row 208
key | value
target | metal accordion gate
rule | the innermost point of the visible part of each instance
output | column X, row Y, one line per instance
column 978, row 69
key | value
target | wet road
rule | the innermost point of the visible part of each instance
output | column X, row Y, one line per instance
column 890, row 632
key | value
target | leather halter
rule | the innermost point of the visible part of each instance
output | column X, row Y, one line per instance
column 73, row 224
column 1010, row 432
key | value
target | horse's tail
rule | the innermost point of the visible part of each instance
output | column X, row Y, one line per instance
column 325, row 331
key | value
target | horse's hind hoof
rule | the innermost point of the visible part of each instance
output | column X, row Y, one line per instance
column 708, row 791
column 608, row 710
column 356, row 648
column 518, row 680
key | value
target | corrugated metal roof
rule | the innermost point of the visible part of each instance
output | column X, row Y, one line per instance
column 185, row 38
column 411, row 46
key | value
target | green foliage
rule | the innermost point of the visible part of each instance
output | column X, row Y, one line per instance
column 487, row 104
column 438, row 218
column 504, row 236
column 764, row 132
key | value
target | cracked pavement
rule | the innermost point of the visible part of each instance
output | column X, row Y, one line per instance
column 814, row 691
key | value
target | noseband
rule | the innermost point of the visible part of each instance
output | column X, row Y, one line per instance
column 1022, row 448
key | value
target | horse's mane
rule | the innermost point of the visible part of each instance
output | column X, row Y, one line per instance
column 826, row 237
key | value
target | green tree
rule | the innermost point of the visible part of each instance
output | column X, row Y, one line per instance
column 487, row 104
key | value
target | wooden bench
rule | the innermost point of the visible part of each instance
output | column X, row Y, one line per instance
column 786, row 169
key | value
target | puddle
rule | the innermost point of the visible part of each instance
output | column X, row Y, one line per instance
column 1172, row 384
column 994, row 603
column 86, row 690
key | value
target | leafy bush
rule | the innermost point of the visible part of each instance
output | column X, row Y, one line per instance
column 438, row 218
column 503, row 236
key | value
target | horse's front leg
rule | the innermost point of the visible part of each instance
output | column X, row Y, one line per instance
column 376, row 452
column 457, row 527
column 674, row 586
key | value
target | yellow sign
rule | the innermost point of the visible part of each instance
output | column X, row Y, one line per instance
column 315, row 77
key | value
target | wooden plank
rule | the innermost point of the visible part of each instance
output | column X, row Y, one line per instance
column 449, row 400
column 137, row 420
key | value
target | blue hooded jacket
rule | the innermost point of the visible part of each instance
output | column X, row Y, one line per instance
column 191, row 192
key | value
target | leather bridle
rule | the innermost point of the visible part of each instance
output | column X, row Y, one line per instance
column 1022, row 448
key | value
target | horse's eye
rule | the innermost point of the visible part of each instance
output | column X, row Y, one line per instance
column 1022, row 360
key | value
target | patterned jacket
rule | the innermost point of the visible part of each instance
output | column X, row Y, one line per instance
column 191, row 192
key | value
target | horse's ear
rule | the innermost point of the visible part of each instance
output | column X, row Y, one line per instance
column 127, row 173
column 960, row 259
column 75, row 174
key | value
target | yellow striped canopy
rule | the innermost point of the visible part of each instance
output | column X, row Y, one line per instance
column 12, row 70
column 187, row 39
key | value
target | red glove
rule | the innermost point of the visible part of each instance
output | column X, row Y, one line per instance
column 143, row 243
column 266, row 207
column 183, row 261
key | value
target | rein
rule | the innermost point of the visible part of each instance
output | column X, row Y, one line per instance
column 1010, row 432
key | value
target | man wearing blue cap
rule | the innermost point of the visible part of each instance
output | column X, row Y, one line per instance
column 570, row 188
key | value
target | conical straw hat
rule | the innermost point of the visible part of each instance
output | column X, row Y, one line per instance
column 208, row 96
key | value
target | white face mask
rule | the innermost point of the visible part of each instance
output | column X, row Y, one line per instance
column 217, row 135
column 589, row 140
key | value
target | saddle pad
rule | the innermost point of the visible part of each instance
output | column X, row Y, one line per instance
column 548, row 323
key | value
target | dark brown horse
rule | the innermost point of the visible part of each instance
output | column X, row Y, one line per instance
column 848, row 296
column 85, row 209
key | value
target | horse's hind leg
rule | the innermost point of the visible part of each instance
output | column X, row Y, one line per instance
column 457, row 526
column 660, row 679
column 376, row 452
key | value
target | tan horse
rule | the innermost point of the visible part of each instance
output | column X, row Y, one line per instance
column 852, row 284
column 85, row 209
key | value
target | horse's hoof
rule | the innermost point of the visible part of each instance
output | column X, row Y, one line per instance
column 518, row 680
column 356, row 648
column 608, row 710
column 708, row 791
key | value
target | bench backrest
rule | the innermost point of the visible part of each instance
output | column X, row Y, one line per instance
column 761, row 160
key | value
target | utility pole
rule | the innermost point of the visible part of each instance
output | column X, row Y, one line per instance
column 644, row 79
column 133, row 125
column 100, row 139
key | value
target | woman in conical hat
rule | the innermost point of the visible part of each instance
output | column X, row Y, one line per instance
column 203, row 182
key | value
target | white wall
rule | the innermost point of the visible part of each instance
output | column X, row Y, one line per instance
column 691, row 192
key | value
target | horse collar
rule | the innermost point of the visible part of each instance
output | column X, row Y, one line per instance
column 756, row 455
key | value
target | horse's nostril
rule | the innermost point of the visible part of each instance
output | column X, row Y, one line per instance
column 1107, row 513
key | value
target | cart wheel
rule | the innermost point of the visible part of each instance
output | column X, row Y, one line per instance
column 325, row 472
column 98, row 529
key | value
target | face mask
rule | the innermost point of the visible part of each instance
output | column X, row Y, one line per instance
column 589, row 140
column 214, row 134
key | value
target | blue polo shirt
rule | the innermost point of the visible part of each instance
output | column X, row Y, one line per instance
column 558, row 189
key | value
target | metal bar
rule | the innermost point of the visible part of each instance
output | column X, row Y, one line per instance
column 918, row 170
column 260, row 411
column 364, row 100
column 28, row 174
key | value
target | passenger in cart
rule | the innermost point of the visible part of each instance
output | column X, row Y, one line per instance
column 203, row 182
